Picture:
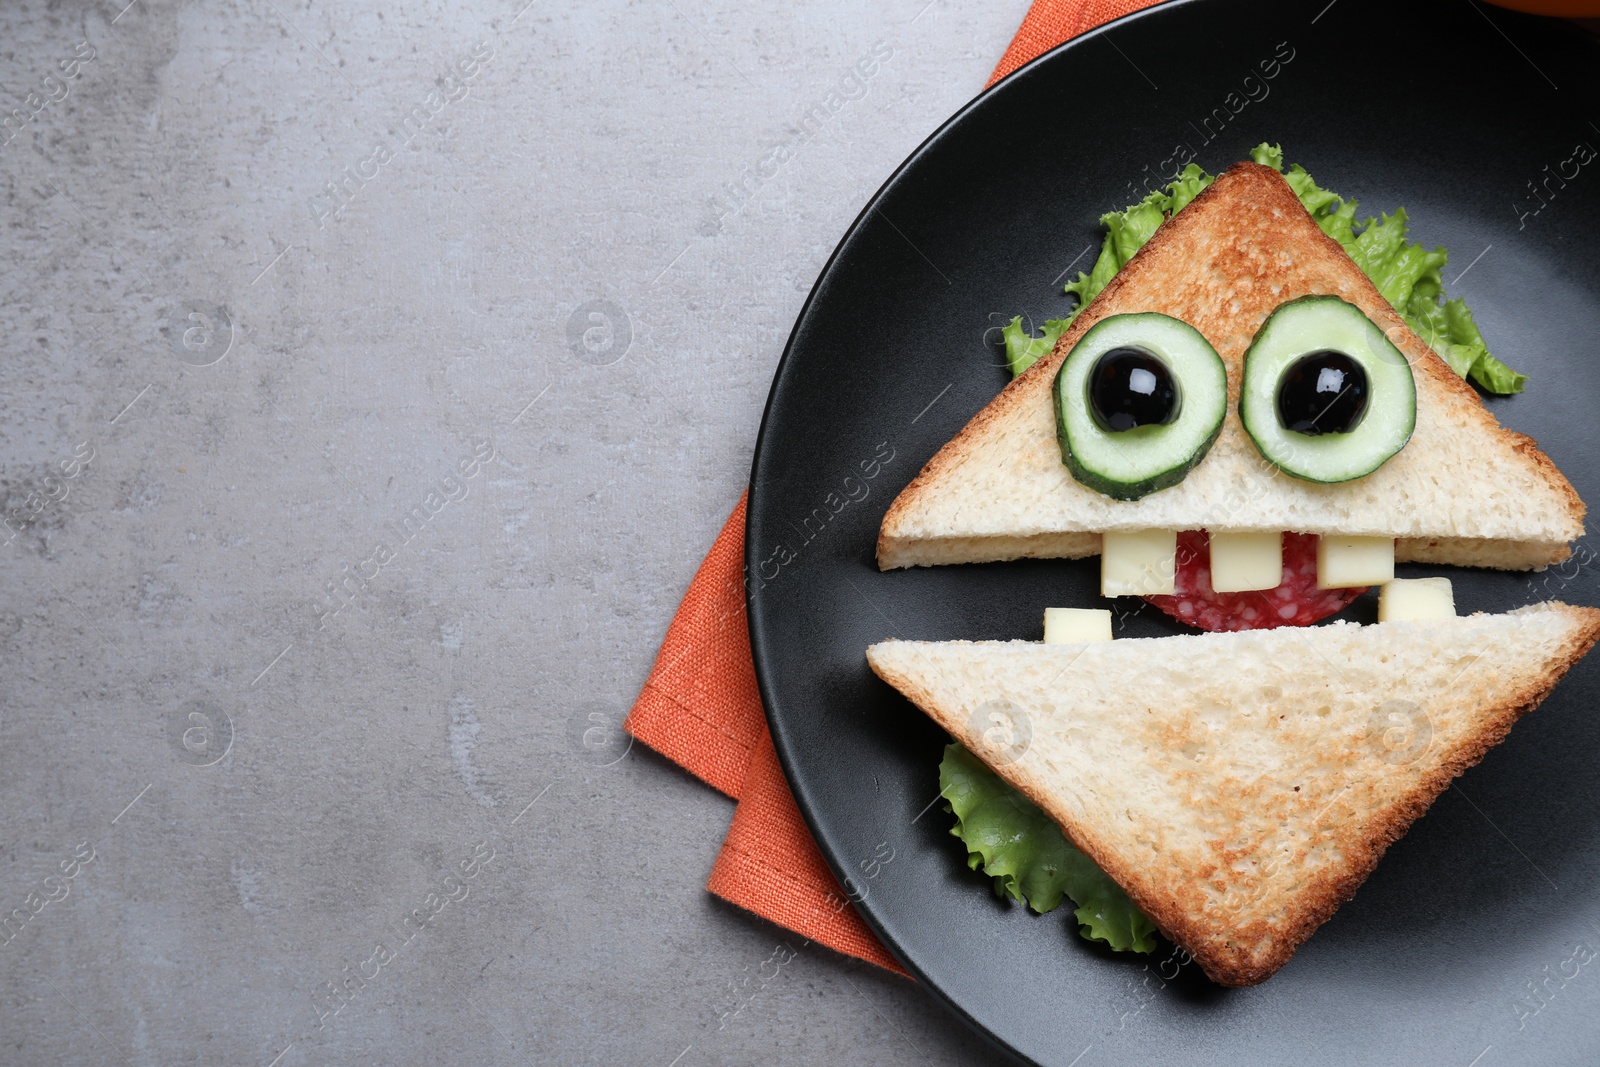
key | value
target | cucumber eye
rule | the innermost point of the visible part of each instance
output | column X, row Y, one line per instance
column 1138, row 402
column 1325, row 395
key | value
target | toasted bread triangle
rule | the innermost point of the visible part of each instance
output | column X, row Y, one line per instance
column 1239, row 809
column 1464, row 490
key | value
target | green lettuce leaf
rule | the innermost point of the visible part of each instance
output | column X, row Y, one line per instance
column 1031, row 861
column 1408, row 275
column 1268, row 155
column 1495, row 376
column 1190, row 183
column 1127, row 231
column 1023, row 349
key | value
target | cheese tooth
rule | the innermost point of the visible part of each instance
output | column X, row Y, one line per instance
column 1139, row 563
column 1345, row 562
column 1246, row 561
column 1071, row 626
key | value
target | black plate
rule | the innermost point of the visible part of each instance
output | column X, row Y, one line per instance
column 1472, row 938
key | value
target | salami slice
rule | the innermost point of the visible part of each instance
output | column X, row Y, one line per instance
column 1295, row 602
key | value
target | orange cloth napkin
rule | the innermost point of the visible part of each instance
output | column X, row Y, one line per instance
column 700, row 707
column 1049, row 22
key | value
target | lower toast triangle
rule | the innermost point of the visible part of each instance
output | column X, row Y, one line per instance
column 1241, row 786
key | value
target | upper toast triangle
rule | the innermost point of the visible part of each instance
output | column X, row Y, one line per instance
column 1464, row 490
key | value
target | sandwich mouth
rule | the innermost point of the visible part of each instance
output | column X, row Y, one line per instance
column 1243, row 579
column 1146, row 562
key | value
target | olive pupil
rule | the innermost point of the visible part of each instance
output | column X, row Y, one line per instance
column 1323, row 392
column 1129, row 388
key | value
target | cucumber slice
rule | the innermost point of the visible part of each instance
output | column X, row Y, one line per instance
column 1130, row 463
column 1324, row 326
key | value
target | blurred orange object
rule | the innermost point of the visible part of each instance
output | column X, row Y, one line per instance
column 1572, row 9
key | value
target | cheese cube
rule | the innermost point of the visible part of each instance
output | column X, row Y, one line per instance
column 1416, row 599
column 1345, row 562
column 1241, row 562
column 1071, row 626
column 1139, row 563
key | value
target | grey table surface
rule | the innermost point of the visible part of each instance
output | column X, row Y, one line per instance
column 500, row 287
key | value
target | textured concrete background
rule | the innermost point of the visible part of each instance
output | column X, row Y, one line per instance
column 282, row 282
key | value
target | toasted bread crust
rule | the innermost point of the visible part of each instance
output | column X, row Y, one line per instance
column 1228, row 964
column 1252, row 190
column 1252, row 952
